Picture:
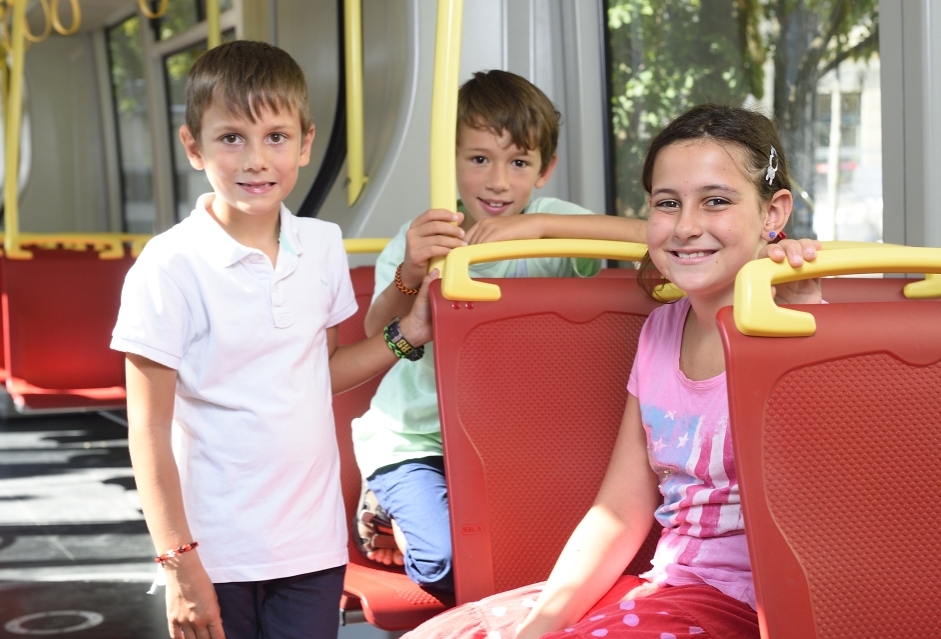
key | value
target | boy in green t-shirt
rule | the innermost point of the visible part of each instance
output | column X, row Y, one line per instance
column 506, row 140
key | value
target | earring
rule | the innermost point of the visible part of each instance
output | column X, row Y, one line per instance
column 774, row 238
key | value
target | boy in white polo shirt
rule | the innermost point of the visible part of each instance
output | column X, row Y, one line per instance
column 229, row 324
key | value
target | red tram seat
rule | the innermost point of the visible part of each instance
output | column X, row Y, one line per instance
column 837, row 441
column 531, row 390
column 387, row 598
column 58, row 312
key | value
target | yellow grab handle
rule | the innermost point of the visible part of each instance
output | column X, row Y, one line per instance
column 456, row 283
column 353, row 68
column 928, row 288
column 153, row 15
column 365, row 244
column 757, row 314
column 76, row 18
column 444, row 108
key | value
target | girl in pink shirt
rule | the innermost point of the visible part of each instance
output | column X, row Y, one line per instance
column 719, row 195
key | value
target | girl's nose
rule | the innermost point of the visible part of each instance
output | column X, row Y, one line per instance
column 688, row 223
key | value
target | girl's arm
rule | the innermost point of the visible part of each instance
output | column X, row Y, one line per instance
column 192, row 606
column 547, row 225
column 607, row 538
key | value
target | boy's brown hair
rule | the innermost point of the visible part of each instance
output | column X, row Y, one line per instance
column 502, row 101
column 246, row 77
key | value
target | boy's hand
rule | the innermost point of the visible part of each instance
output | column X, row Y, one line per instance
column 498, row 229
column 796, row 252
column 416, row 326
column 433, row 234
column 192, row 607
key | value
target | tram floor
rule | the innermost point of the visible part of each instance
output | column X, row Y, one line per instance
column 75, row 556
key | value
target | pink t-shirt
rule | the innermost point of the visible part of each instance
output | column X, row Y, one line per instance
column 690, row 449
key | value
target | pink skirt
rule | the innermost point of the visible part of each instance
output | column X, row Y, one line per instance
column 674, row 612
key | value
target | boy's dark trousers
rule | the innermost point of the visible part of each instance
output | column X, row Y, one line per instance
column 301, row 607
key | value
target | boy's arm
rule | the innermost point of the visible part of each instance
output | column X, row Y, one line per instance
column 357, row 363
column 547, row 225
column 192, row 607
column 433, row 234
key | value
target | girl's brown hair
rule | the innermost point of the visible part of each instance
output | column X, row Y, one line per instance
column 752, row 132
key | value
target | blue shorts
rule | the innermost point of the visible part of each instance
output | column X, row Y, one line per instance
column 416, row 497
column 301, row 607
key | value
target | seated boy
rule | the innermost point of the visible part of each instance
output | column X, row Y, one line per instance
column 229, row 321
column 506, row 141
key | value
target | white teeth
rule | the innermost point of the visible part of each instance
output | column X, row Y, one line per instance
column 699, row 254
column 495, row 204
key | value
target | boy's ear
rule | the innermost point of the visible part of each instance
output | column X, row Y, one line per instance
column 305, row 147
column 546, row 172
column 779, row 210
column 192, row 148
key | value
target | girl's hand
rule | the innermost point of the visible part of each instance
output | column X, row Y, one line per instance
column 192, row 606
column 796, row 252
column 433, row 234
column 499, row 229
column 416, row 326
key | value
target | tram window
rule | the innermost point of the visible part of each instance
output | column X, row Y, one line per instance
column 133, row 123
column 181, row 15
column 188, row 183
column 667, row 56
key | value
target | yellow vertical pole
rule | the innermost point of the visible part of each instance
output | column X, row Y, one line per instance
column 353, row 38
column 444, row 108
column 213, row 24
column 14, row 117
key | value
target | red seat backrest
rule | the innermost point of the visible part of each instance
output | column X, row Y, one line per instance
column 531, row 390
column 387, row 597
column 867, row 289
column 837, row 443
column 60, row 308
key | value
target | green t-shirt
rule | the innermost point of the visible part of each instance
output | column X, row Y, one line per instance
column 402, row 422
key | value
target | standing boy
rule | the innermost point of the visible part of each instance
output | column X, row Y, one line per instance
column 229, row 324
column 506, row 140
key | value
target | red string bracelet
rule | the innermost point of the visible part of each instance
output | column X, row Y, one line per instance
column 170, row 554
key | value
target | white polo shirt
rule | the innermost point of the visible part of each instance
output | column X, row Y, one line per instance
column 253, row 431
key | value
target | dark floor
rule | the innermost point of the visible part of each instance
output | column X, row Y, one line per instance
column 75, row 557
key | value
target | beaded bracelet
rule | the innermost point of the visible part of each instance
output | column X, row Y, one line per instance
column 400, row 285
column 170, row 554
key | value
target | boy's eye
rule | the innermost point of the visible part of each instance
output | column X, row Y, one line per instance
column 520, row 164
column 230, row 139
column 277, row 137
column 667, row 204
column 478, row 159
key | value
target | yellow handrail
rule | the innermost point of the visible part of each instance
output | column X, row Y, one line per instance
column 757, row 314
column 365, row 244
column 353, row 68
column 213, row 24
column 14, row 117
column 444, row 108
column 456, row 283
column 110, row 246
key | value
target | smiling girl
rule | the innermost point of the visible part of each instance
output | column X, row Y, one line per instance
column 719, row 194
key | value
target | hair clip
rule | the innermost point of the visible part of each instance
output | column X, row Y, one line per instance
column 773, row 164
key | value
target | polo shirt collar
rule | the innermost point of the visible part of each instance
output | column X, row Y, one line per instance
column 221, row 248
